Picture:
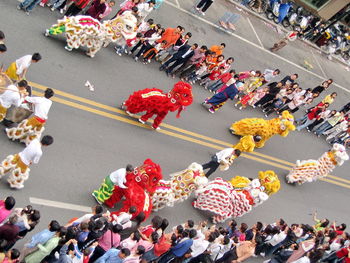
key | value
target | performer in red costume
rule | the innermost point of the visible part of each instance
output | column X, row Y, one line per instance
column 154, row 102
column 140, row 186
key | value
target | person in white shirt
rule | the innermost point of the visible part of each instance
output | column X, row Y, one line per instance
column 224, row 157
column 18, row 69
column 13, row 95
column 33, row 127
column 18, row 164
column 270, row 74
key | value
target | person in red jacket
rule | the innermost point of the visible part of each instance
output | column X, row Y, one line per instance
column 214, row 75
column 311, row 116
column 97, row 9
column 222, row 80
column 76, row 7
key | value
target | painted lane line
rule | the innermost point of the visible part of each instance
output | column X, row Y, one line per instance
column 253, row 44
column 177, row 3
column 256, row 34
column 68, row 206
column 318, row 64
column 116, row 110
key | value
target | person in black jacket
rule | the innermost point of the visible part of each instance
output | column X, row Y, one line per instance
column 180, row 57
column 289, row 80
column 274, row 88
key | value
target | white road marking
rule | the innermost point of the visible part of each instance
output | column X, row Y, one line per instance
column 319, row 65
column 256, row 34
column 177, row 3
column 44, row 202
column 253, row 44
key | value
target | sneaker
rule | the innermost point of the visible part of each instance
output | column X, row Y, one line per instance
column 68, row 48
column 47, row 33
column 157, row 129
column 149, row 61
column 119, row 53
column 42, row 5
column 61, row 11
column 136, row 59
column 211, row 110
column 240, row 108
column 27, row 13
column 202, row 13
column 52, row 9
column 143, row 122
column 19, row 7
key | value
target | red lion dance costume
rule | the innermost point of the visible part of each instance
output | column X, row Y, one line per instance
column 154, row 102
column 141, row 184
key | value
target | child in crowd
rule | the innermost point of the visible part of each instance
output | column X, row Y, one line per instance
column 275, row 106
column 221, row 81
column 195, row 75
column 214, row 76
column 151, row 53
column 120, row 49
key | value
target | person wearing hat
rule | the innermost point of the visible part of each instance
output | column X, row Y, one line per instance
column 219, row 99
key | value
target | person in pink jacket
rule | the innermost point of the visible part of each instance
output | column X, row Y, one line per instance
column 6, row 207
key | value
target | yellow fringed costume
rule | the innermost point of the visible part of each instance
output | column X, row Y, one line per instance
column 245, row 144
column 265, row 128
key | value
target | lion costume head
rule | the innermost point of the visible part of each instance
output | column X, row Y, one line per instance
column 148, row 175
column 180, row 96
column 124, row 25
column 339, row 153
column 286, row 125
column 269, row 180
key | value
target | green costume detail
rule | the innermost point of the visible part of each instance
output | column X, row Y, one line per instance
column 56, row 30
column 105, row 191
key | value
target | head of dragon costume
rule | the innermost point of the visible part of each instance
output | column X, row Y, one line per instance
column 86, row 31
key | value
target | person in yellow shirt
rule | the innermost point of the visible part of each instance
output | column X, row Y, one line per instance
column 329, row 98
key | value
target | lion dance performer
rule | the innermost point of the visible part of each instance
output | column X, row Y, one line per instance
column 312, row 170
column 180, row 187
column 237, row 197
column 264, row 128
column 247, row 143
column 32, row 128
column 18, row 164
column 140, row 185
column 87, row 31
column 154, row 102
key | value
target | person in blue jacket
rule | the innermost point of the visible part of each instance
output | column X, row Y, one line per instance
column 219, row 99
column 181, row 248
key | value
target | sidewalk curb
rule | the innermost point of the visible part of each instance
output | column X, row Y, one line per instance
column 261, row 17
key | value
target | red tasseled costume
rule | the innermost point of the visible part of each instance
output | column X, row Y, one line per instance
column 154, row 102
column 141, row 184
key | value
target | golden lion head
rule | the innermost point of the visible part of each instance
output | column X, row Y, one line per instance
column 270, row 181
column 286, row 124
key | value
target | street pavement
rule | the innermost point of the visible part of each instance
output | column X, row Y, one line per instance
column 93, row 137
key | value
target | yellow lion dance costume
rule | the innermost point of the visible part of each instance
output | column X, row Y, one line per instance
column 265, row 128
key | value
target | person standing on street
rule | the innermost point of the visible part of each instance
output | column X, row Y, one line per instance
column 224, row 157
column 76, row 7
column 33, row 127
column 18, row 69
column 13, row 95
column 97, row 9
column 203, row 6
column 18, row 164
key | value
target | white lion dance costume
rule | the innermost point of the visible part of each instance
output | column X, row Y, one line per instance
column 20, row 171
column 87, row 31
column 226, row 199
column 180, row 187
column 312, row 170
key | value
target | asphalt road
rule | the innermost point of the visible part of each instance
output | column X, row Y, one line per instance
column 91, row 141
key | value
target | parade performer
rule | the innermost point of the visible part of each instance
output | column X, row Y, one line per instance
column 117, row 178
column 227, row 199
column 247, row 143
column 87, row 31
column 223, row 159
column 155, row 102
column 220, row 98
column 264, row 128
column 180, row 187
column 13, row 95
column 18, row 164
column 32, row 128
column 18, row 69
column 312, row 170
column 140, row 184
